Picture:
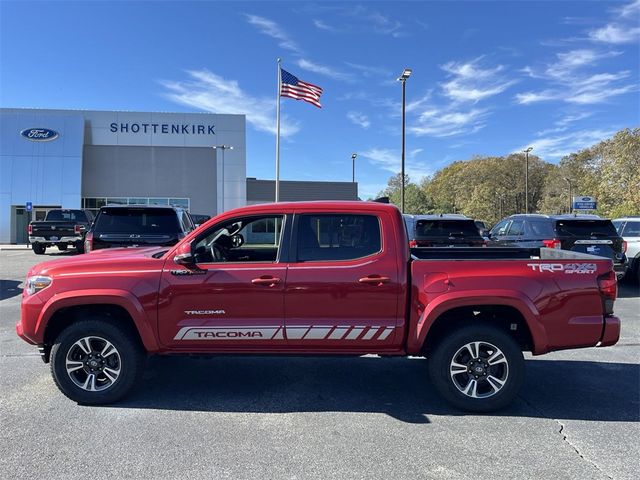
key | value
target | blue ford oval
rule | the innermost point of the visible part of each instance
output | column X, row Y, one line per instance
column 39, row 134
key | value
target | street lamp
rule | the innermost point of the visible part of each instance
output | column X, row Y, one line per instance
column 223, row 148
column 353, row 168
column 406, row 73
column 526, row 180
column 570, row 199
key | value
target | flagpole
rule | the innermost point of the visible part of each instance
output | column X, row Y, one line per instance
column 278, row 135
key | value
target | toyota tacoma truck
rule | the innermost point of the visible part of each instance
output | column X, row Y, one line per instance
column 62, row 228
column 316, row 278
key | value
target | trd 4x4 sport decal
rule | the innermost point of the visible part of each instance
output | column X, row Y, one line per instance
column 569, row 268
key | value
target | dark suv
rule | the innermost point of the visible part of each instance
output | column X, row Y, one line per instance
column 444, row 230
column 579, row 233
column 137, row 226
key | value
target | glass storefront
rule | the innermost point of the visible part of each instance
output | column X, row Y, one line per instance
column 94, row 204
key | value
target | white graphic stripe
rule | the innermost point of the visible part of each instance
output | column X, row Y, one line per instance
column 317, row 333
column 279, row 335
column 386, row 333
column 296, row 333
column 355, row 333
column 369, row 335
column 338, row 333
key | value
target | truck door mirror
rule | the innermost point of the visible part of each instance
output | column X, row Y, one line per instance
column 184, row 256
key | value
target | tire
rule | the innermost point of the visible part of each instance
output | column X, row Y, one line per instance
column 62, row 246
column 497, row 383
column 38, row 249
column 77, row 350
column 79, row 247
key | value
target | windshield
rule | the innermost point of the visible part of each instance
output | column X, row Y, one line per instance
column 586, row 228
column 137, row 221
column 446, row 228
column 66, row 215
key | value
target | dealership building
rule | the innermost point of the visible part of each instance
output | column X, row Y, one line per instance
column 87, row 159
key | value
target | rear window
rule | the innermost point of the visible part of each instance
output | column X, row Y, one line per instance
column 139, row 221
column 632, row 229
column 66, row 215
column 446, row 228
column 586, row 228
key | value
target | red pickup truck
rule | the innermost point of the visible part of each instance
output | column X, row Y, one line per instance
column 316, row 278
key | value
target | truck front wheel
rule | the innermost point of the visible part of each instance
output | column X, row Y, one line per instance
column 477, row 368
column 93, row 362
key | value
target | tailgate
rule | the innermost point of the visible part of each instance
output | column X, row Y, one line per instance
column 53, row 230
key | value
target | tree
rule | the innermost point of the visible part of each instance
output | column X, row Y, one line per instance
column 416, row 201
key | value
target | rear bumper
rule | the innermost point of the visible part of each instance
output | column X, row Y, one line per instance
column 54, row 242
column 610, row 332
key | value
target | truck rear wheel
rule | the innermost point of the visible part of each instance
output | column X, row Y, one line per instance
column 62, row 246
column 477, row 368
column 38, row 249
column 93, row 362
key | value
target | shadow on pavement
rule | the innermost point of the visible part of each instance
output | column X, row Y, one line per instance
column 628, row 289
column 398, row 387
column 9, row 289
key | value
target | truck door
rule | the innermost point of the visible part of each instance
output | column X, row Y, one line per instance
column 234, row 298
column 342, row 287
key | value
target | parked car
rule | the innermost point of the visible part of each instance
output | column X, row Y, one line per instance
column 629, row 229
column 61, row 228
column 199, row 219
column 138, row 226
column 482, row 228
column 576, row 232
column 442, row 230
column 349, row 284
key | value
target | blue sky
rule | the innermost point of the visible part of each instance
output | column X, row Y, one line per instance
column 489, row 78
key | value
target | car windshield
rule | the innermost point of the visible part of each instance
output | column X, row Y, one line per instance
column 66, row 215
column 446, row 228
column 588, row 228
column 141, row 221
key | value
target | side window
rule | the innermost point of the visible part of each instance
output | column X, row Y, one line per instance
column 632, row 229
column 541, row 229
column 337, row 237
column 186, row 221
column 500, row 229
column 516, row 228
column 619, row 225
column 241, row 240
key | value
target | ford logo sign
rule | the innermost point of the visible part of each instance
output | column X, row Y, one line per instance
column 39, row 134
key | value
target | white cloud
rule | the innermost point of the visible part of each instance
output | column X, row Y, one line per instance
column 359, row 119
column 630, row 9
column 273, row 30
column 556, row 147
column 207, row 91
column 471, row 83
column 368, row 71
column 323, row 26
column 323, row 70
column 436, row 122
column 616, row 34
column 570, row 83
column 390, row 161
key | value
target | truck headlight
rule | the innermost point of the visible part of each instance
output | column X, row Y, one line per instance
column 37, row 283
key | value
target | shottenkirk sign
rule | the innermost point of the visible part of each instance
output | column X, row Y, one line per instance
column 584, row 203
column 167, row 128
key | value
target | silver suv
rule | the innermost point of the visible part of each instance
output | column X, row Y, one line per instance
column 629, row 229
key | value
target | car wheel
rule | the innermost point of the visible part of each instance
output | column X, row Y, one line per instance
column 62, row 247
column 80, row 247
column 94, row 362
column 38, row 249
column 477, row 368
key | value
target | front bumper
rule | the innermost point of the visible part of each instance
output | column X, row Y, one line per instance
column 610, row 332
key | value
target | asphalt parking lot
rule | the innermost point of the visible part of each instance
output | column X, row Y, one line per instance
column 297, row 418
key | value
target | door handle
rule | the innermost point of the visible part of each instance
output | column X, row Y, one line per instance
column 264, row 280
column 374, row 279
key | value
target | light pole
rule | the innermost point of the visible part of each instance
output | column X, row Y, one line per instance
column 223, row 148
column 570, row 199
column 406, row 73
column 526, row 180
column 353, row 167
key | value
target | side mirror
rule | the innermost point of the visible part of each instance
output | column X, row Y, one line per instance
column 184, row 256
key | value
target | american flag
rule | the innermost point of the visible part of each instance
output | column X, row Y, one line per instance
column 291, row 86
